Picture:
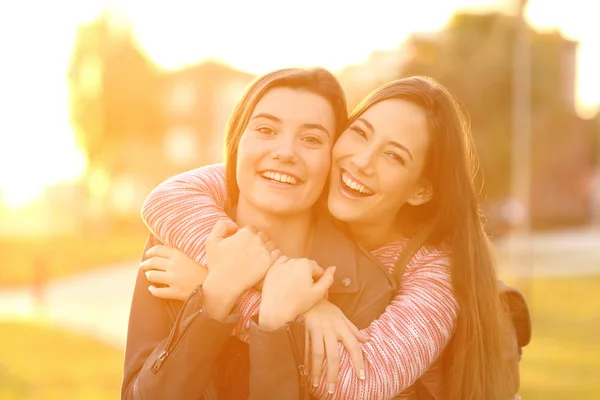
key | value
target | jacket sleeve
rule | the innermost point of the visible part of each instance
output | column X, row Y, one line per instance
column 170, row 360
column 276, row 369
column 182, row 212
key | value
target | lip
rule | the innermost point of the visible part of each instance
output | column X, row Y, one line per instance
column 346, row 194
column 342, row 170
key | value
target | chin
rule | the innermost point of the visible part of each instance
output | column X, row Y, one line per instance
column 340, row 211
column 279, row 206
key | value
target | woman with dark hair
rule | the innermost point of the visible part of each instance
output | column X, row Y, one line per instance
column 176, row 358
column 404, row 166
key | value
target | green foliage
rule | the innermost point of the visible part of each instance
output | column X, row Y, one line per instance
column 473, row 57
column 112, row 91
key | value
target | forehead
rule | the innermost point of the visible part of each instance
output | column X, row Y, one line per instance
column 399, row 120
column 297, row 106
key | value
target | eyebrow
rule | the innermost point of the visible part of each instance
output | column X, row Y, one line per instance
column 278, row 120
column 392, row 142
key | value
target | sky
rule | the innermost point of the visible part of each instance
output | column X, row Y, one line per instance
column 36, row 38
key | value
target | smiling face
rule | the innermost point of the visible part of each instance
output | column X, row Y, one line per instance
column 377, row 165
column 284, row 153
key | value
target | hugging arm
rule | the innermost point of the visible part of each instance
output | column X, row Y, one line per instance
column 404, row 342
column 183, row 210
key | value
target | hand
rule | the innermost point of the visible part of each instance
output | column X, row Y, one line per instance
column 326, row 325
column 176, row 273
column 289, row 290
column 235, row 263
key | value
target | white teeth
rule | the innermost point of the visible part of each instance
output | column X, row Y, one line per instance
column 354, row 185
column 280, row 177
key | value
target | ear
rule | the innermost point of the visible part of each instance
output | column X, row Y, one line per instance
column 423, row 193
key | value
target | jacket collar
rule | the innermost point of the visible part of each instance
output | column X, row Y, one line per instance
column 331, row 247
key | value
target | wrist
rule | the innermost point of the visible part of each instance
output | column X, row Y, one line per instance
column 273, row 318
column 220, row 297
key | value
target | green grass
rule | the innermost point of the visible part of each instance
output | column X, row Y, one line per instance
column 43, row 363
column 62, row 256
column 563, row 359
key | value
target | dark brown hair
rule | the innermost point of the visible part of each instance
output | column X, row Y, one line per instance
column 315, row 80
column 474, row 357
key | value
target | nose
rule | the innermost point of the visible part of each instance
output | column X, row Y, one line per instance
column 285, row 149
column 363, row 161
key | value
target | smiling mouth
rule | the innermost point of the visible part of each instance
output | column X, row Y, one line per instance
column 280, row 177
column 353, row 187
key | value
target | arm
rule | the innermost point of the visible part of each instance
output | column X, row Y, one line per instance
column 404, row 342
column 182, row 212
column 188, row 366
column 406, row 339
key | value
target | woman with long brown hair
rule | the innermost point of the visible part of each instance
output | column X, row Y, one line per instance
column 168, row 357
column 405, row 162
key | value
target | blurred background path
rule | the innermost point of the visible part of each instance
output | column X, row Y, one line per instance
column 97, row 303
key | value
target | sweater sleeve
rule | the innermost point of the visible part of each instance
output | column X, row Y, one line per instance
column 406, row 339
column 182, row 211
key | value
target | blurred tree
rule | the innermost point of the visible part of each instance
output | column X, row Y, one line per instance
column 473, row 57
column 116, row 114
column 112, row 91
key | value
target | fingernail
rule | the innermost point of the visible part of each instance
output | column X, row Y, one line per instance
column 361, row 374
column 316, row 381
column 331, row 388
column 147, row 273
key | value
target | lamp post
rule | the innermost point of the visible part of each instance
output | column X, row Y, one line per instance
column 521, row 135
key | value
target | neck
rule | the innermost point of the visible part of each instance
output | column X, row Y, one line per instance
column 373, row 235
column 291, row 233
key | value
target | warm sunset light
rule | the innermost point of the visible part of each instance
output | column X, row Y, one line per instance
column 38, row 146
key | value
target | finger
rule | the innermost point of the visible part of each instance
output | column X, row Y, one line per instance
column 155, row 276
column 361, row 337
column 221, row 230
column 321, row 287
column 159, row 251
column 158, row 263
column 251, row 228
column 264, row 236
column 282, row 259
column 353, row 346
column 270, row 245
column 333, row 361
column 163, row 292
column 317, row 271
column 318, row 355
column 275, row 255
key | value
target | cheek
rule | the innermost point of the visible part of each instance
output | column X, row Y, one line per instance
column 393, row 182
column 250, row 149
column 342, row 148
column 319, row 164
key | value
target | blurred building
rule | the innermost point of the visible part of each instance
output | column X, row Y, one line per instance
column 191, row 107
column 195, row 104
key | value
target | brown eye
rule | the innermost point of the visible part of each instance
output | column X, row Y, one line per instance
column 313, row 140
column 396, row 158
column 266, row 131
column 358, row 131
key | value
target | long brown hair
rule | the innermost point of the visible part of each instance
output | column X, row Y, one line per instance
column 476, row 367
column 315, row 80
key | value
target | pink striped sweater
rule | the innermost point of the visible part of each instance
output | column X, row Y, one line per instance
column 406, row 340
